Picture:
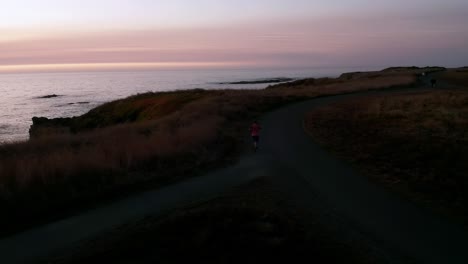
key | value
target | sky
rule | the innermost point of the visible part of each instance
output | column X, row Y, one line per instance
column 66, row 35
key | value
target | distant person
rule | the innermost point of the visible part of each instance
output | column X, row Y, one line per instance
column 255, row 133
column 433, row 83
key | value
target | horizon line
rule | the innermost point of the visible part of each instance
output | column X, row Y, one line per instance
column 104, row 66
column 148, row 66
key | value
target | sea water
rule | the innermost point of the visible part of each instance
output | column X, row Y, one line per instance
column 21, row 94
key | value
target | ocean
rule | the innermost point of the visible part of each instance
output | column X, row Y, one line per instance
column 77, row 93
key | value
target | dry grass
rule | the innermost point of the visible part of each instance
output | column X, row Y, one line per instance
column 415, row 143
column 455, row 76
column 145, row 140
column 347, row 83
column 137, row 108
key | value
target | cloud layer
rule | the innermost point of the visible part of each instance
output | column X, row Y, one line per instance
column 381, row 39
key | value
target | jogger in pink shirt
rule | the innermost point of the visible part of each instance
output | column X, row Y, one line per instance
column 255, row 133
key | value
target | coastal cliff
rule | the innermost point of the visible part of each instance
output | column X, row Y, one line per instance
column 141, row 107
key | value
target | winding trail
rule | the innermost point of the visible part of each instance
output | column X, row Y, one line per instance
column 292, row 159
column 389, row 219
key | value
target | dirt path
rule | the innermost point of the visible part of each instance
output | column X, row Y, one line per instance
column 302, row 168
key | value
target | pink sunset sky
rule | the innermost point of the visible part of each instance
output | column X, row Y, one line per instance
column 65, row 35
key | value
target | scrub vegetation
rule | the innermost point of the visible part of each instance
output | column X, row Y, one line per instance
column 415, row 143
column 458, row 77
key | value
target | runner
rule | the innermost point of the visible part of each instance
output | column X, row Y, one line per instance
column 255, row 133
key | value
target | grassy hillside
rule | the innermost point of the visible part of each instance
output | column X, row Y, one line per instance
column 141, row 107
column 350, row 82
column 414, row 143
column 457, row 77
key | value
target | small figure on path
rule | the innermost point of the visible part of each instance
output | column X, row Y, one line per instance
column 433, row 83
column 255, row 133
